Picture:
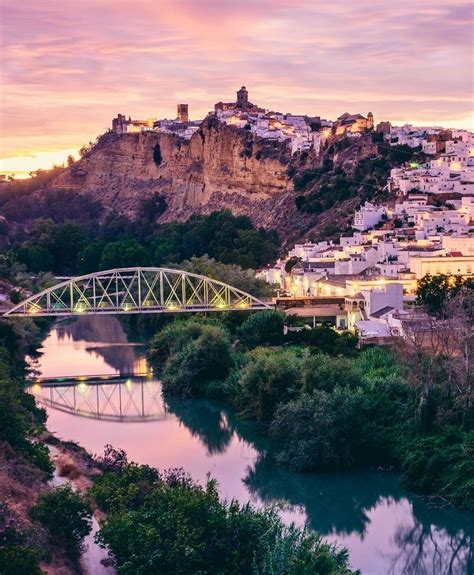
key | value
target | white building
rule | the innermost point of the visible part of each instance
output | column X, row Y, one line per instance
column 368, row 216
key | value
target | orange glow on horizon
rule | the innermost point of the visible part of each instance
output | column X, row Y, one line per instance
column 23, row 164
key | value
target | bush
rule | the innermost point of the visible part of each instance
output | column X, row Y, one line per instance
column 322, row 431
column 170, row 339
column 19, row 418
column 201, row 361
column 323, row 373
column 66, row 517
column 267, row 379
column 441, row 464
column 325, row 339
column 262, row 328
column 181, row 527
column 17, row 557
column 19, row 560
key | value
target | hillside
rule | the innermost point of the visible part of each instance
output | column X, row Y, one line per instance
column 224, row 167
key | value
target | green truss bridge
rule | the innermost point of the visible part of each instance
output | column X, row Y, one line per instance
column 137, row 290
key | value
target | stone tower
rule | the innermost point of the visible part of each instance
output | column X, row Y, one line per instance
column 370, row 121
column 242, row 97
column 183, row 115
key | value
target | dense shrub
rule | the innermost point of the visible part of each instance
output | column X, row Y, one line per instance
column 17, row 556
column 267, row 379
column 179, row 527
column 66, row 517
column 19, row 418
column 262, row 328
column 326, row 340
column 172, row 338
column 199, row 362
column 322, row 430
column 323, row 373
column 441, row 463
column 17, row 559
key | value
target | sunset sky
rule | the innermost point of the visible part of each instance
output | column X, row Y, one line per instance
column 70, row 66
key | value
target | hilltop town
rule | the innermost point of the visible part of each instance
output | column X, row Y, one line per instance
column 369, row 278
column 299, row 132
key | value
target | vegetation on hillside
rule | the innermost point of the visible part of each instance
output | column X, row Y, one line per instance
column 63, row 246
column 347, row 172
column 20, row 418
column 36, row 522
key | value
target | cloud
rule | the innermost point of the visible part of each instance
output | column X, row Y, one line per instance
column 68, row 67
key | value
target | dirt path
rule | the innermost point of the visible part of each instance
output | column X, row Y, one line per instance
column 68, row 471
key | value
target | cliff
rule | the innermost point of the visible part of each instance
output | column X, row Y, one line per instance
column 225, row 167
column 219, row 167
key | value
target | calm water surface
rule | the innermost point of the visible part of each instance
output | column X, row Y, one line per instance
column 385, row 529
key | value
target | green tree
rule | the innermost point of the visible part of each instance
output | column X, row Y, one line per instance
column 89, row 259
column 35, row 258
column 203, row 360
column 67, row 241
column 262, row 328
column 233, row 275
column 66, row 517
column 433, row 292
column 267, row 379
column 124, row 253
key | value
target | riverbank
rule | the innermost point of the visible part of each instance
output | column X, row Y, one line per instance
column 326, row 404
column 76, row 467
column 382, row 525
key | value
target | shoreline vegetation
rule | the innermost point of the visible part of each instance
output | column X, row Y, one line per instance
column 330, row 406
column 151, row 521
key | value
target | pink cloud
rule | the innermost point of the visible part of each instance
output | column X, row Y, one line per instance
column 72, row 66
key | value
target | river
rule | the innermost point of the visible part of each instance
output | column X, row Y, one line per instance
column 386, row 529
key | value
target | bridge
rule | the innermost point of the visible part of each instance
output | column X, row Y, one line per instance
column 136, row 290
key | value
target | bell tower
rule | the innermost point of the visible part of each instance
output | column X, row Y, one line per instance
column 242, row 97
column 183, row 115
column 370, row 121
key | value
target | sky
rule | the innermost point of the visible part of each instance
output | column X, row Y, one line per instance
column 69, row 66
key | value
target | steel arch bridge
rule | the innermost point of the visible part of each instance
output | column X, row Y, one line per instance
column 136, row 290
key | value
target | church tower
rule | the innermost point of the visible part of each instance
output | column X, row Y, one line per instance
column 242, row 98
column 370, row 121
column 183, row 115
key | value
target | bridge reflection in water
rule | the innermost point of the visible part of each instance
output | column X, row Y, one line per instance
column 109, row 398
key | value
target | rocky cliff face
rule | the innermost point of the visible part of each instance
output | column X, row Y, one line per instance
column 220, row 167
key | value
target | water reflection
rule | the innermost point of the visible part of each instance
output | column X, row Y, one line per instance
column 385, row 529
column 206, row 421
column 95, row 345
column 114, row 347
column 130, row 400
